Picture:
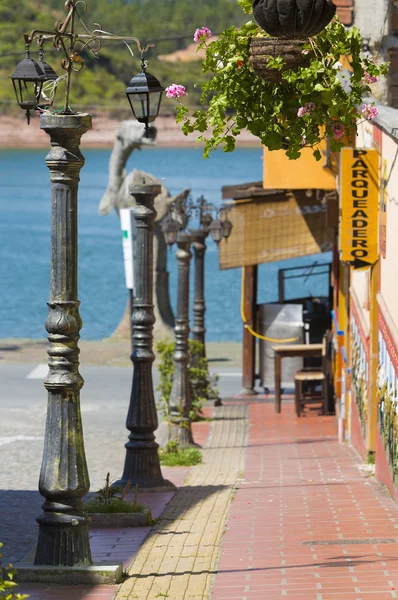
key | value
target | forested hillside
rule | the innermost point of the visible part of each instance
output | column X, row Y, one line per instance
column 100, row 83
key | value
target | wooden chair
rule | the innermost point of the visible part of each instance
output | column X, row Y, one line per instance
column 304, row 393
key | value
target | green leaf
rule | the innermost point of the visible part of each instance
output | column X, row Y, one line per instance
column 317, row 154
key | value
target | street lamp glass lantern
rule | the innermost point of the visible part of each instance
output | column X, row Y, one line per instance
column 144, row 93
column 206, row 220
column 49, row 73
column 226, row 228
column 28, row 79
column 170, row 228
column 216, row 230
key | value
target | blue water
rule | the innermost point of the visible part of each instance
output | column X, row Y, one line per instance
column 25, row 241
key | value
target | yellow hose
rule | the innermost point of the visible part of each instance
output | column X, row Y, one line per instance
column 249, row 329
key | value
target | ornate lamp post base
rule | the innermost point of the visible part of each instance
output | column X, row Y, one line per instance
column 142, row 465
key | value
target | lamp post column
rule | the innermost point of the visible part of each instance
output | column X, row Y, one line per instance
column 199, row 307
column 63, row 529
column 180, row 396
column 142, row 465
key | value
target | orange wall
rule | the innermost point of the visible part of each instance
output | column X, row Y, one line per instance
column 305, row 173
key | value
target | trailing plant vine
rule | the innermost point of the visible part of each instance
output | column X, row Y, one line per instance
column 203, row 386
column 321, row 100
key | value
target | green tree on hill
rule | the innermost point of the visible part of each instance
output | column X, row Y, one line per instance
column 100, row 83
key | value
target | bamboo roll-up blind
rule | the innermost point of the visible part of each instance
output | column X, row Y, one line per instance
column 287, row 225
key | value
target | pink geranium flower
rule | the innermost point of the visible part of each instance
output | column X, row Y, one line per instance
column 369, row 111
column 202, row 34
column 338, row 130
column 175, row 91
column 306, row 109
column 369, row 78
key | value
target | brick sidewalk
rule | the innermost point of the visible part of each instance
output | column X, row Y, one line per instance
column 114, row 545
column 301, row 516
column 307, row 523
column 178, row 559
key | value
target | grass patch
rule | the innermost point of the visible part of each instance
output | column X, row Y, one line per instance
column 115, row 506
column 371, row 458
column 172, row 455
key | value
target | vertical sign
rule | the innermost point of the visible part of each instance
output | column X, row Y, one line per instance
column 383, row 210
column 127, row 224
column 359, row 196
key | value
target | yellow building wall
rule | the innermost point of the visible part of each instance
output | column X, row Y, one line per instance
column 305, row 173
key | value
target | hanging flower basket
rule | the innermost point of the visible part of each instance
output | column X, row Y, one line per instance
column 261, row 50
column 289, row 93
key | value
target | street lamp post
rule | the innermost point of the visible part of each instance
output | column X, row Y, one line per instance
column 63, row 529
column 180, row 395
column 217, row 228
column 63, row 539
column 173, row 232
column 142, row 465
column 199, row 306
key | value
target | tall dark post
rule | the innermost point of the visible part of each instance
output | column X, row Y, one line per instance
column 180, row 397
column 199, row 307
column 142, row 465
column 249, row 341
column 63, row 530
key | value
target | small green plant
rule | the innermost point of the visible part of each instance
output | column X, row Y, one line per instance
column 203, row 386
column 7, row 585
column 112, row 500
column 172, row 455
column 371, row 460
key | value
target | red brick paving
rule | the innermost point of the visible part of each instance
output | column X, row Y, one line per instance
column 119, row 545
column 299, row 486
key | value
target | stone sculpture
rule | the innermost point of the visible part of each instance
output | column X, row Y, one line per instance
column 129, row 137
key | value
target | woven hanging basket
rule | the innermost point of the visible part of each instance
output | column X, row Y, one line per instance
column 262, row 49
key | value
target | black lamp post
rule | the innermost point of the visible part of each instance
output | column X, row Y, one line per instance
column 180, row 395
column 171, row 228
column 202, row 209
column 217, row 230
column 142, row 465
column 63, row 529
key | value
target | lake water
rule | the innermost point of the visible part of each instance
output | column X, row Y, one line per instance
column 25, row 240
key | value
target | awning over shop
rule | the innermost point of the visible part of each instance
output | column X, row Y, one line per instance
column 274, row 225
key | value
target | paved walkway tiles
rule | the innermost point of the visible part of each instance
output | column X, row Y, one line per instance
column 278, row 509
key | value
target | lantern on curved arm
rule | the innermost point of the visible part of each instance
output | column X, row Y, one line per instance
column 170, row 227
column 144, row 93
column 216, row 230
column 293, row 19
column 28, row 79
column 226, row 225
